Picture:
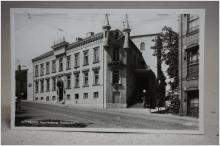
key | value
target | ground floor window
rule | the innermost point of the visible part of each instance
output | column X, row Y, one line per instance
column 54, row 98
column 54, row 84
column 42, row 85
column 42, row 98
column 193, row 103
column 96, row 94
column 36, row 98
column 85, row 96
column 47, row 98
column 48, row 85
column 68, row 82
column 76, row 96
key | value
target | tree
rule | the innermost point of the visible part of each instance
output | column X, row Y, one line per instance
column 167, row 40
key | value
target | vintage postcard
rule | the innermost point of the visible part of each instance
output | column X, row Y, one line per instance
column 109, row 70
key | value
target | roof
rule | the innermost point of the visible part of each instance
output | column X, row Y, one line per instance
column 144, row 35
column 86, row 40
column 47, row 54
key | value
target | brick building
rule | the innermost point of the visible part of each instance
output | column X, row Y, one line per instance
column 102, row 70
column 189, row 64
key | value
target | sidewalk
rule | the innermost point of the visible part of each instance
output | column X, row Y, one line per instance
column 139, row 111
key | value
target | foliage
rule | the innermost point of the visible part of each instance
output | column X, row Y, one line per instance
column 167, row 40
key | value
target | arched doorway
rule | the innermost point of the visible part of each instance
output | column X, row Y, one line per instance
column 60, row 89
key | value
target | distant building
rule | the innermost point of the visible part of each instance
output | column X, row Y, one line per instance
column 102, row 70
column 189, row 64
column 21, row 83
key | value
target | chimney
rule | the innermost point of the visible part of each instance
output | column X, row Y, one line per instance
column 78, row 39
column 88, row 34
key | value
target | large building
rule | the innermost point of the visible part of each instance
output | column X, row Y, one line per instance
column 102, row 70
column 189, row 64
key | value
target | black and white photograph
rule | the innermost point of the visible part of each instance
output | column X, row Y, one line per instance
column 117, row 70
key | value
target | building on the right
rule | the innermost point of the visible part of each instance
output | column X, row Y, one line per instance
column 189, row 65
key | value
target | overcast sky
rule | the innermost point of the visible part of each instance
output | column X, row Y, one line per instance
column 36, row 29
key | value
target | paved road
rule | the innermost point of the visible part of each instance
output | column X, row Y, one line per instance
column 104, row 118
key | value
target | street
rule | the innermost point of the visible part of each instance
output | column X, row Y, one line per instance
column 76, row 116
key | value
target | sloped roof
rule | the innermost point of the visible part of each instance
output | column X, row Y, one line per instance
column 47, row 54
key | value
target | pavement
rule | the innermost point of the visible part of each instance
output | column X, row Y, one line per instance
column 91, row 117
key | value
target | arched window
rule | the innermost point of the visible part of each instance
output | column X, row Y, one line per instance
column 142, row 46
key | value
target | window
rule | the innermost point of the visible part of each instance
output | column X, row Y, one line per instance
column 193, row 55
column 42, row 98
column 47, row 98
column 86, row 58
column 36, row 86
column 76, row 80
column 42, row 86
column 54, row 66
column 36, row 71
column 192, row 62
column 193, row 103
column 96, row 77
column 68, row 97
column 96, row 94
column 60, row 64
column 77, row 60
column 142, row 46
column 115, row 77
column 42, row 69
column 76, row 96
column 68, row 62
column 36, row 98
column 47, row 67
column 53, row 98
column 47, row 85
column 96, row 55
column 86, row 78
column 68, row 82
column 54, row 84
column 85, row 96
column 193, row 24
column 116, row 54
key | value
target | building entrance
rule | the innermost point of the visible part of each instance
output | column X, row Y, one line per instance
column 60, row 90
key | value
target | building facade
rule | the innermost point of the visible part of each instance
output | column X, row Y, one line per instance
column 103, row 70
column 189, row 64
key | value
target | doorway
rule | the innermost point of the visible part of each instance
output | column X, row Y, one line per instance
column 60, row 89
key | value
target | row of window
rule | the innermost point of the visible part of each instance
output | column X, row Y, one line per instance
column 76, row 96
column 68, row 62
column 96, row 81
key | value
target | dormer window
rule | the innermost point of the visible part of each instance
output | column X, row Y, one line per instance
column 142, row 46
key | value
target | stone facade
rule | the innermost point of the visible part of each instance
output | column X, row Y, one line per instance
column 189, row 64
column 99, row 70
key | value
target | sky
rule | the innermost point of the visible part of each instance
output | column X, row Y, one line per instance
column 37, row 29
